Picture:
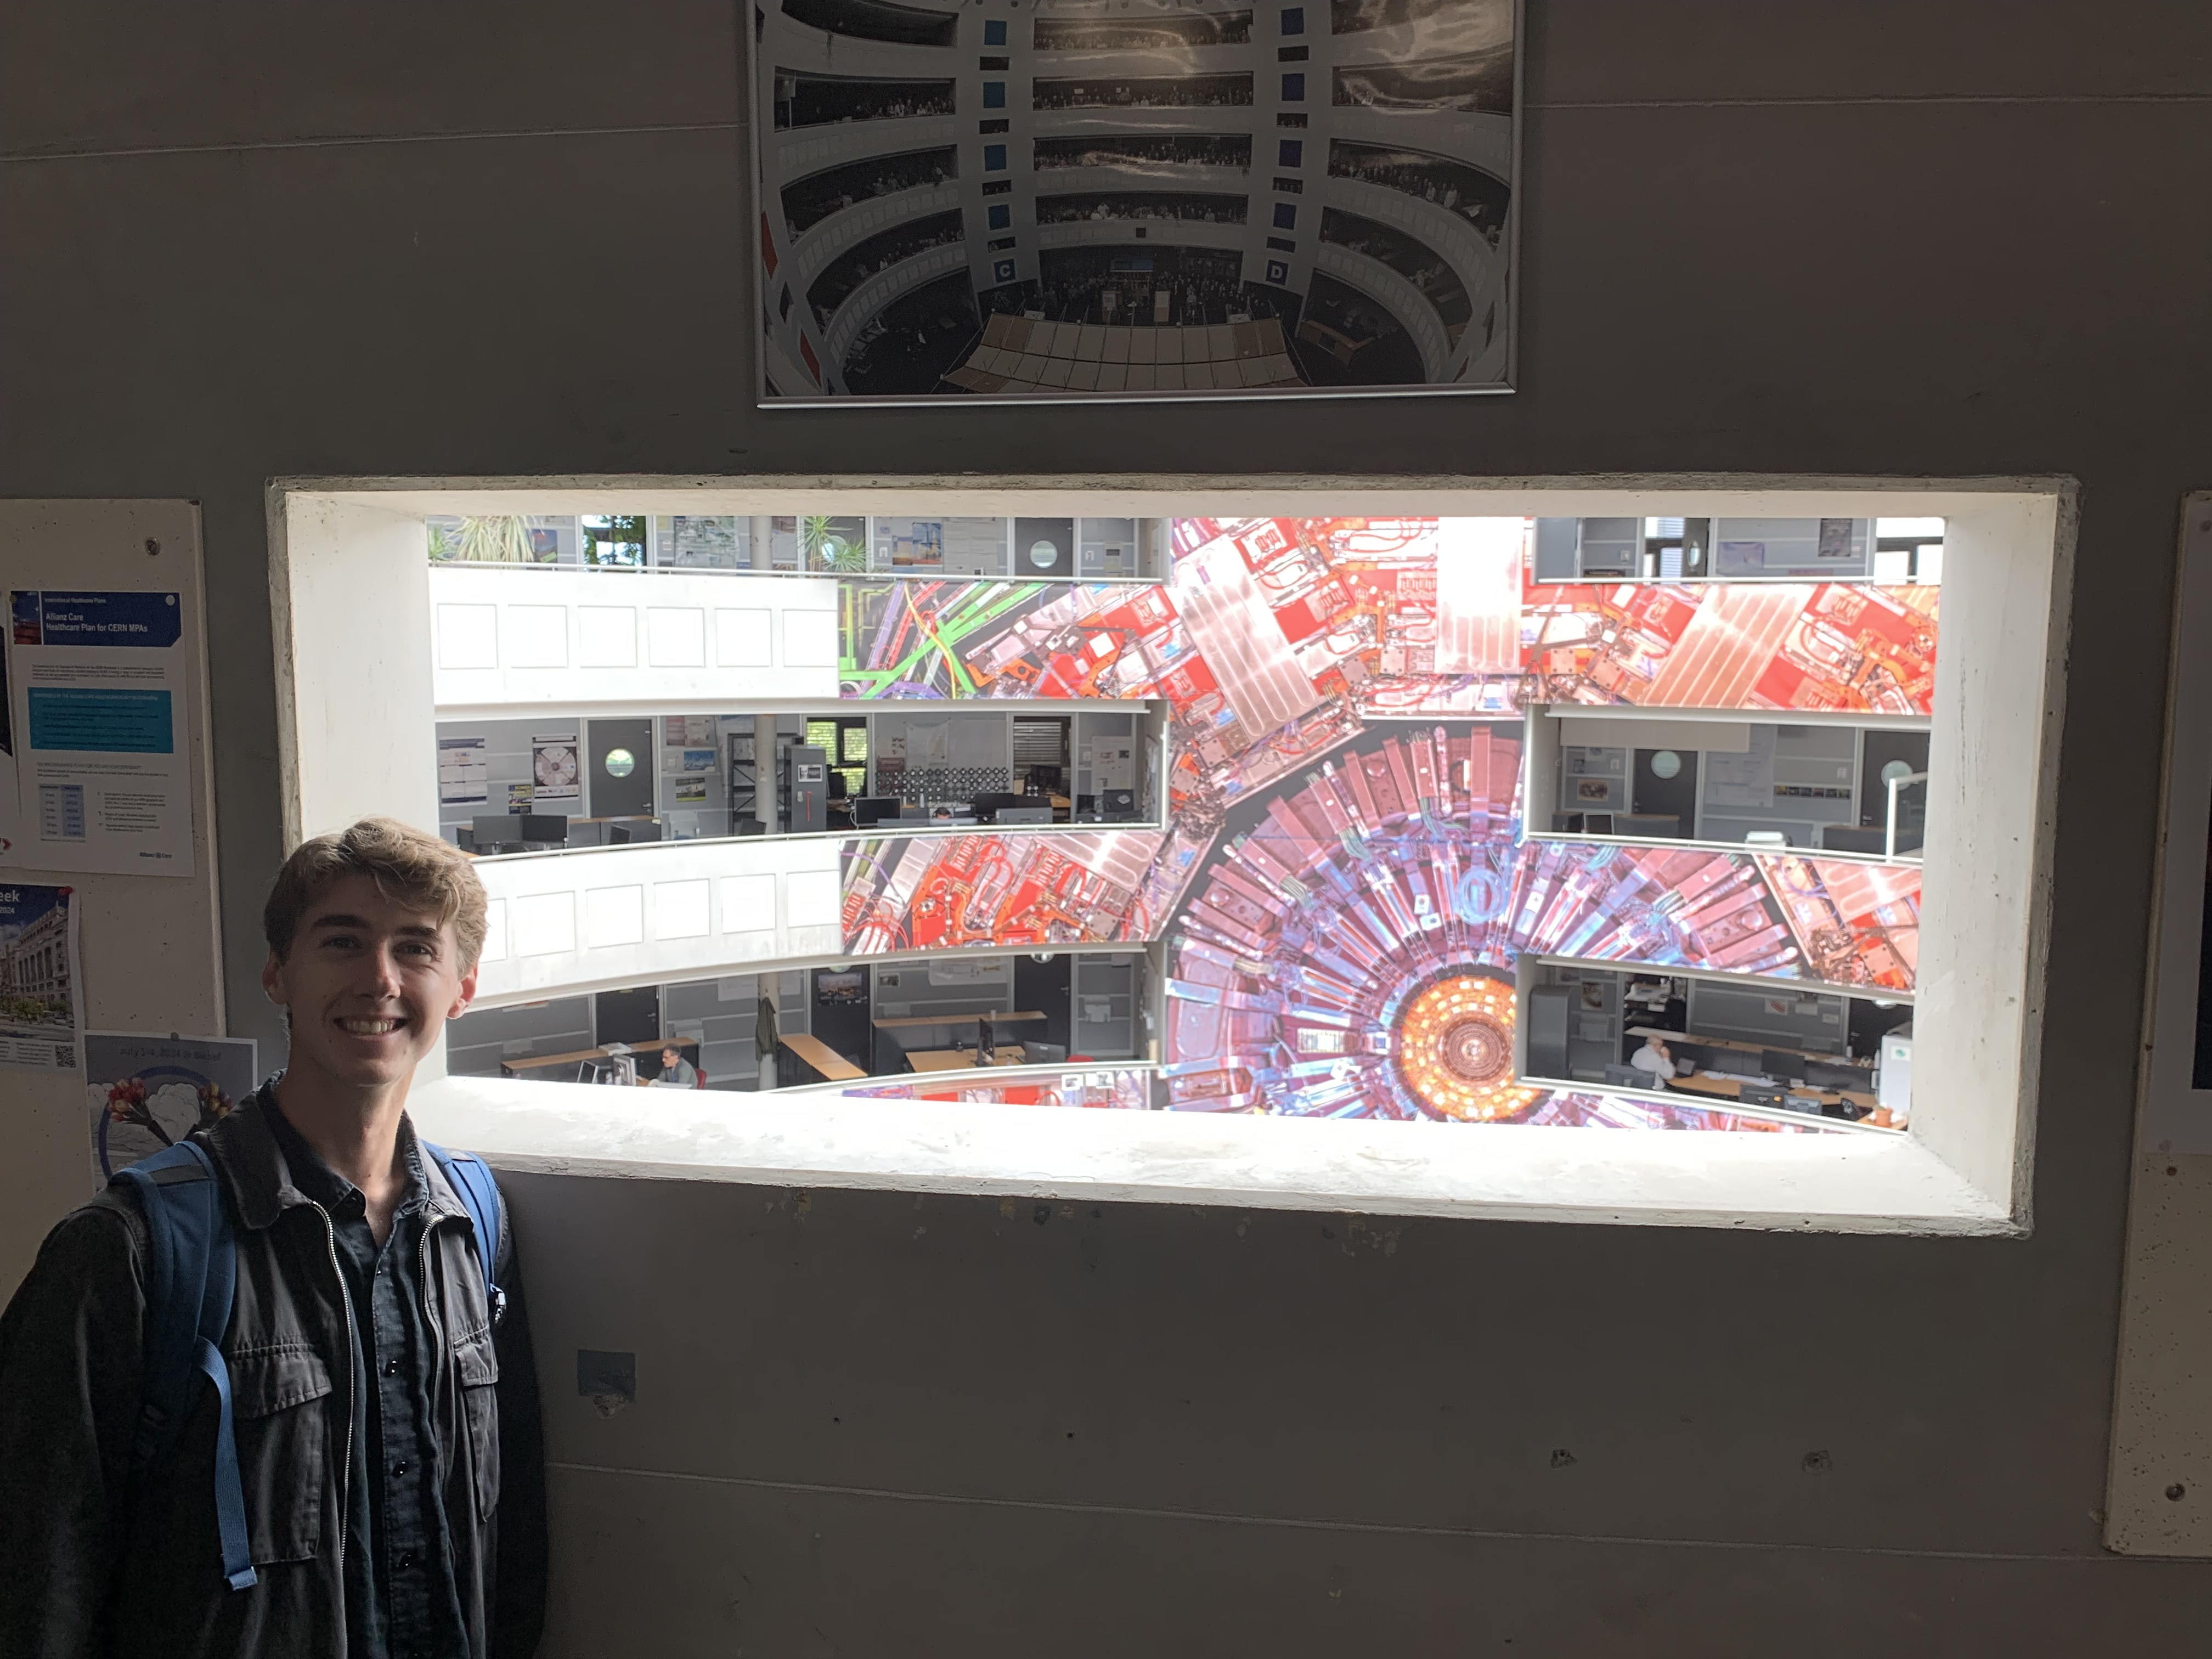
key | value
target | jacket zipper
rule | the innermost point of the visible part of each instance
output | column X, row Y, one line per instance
column 353, row 1400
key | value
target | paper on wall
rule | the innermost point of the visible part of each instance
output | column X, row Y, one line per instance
column 42, row 978
column 555, row 769
column 464, row 772
column 144, row 1092
column 97, row 686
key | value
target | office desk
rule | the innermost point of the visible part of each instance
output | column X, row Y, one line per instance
column 822, row 1057
column 646, row 1051
column 961, row 1060
column 1736, row 1046
column 907, row 1022
column 1793, row 1099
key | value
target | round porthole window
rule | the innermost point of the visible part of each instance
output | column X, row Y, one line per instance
column 1666, row 764
column 621, row 763
column 1895, row 771
column 1044, row 555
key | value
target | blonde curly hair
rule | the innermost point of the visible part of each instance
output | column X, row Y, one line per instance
column 406, row 864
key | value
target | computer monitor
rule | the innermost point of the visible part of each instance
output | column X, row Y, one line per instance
column 1597, row 824
column 991, row 803
column 1045, row 1053
column 518, row 830
column 1849, row 838
column 1117, row 806
column 869, row 811
column 1628, row 1077
column 1825, row 1075
column 1782, row 1065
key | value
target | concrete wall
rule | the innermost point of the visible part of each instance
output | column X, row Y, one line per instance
column 254, row 240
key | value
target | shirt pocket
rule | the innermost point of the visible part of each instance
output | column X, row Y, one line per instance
column 281, row 1410
column 475, row 1374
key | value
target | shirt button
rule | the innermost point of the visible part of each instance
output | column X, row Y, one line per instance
column 400, row 1468
column 392, row 1368
column 407, row 1560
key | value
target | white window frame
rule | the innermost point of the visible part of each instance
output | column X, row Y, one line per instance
column 357, row 730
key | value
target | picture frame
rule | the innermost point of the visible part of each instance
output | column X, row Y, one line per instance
column 1161, row 202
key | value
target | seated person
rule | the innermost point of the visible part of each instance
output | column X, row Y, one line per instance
column 1655, row 1058
column 676, row 1071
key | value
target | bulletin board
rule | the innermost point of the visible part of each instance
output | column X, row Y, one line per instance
column 148, row 944
column 2158, row 1500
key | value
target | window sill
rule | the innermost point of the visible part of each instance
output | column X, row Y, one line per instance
column 1808, row 1183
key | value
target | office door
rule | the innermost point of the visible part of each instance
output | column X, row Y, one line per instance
column 1881, row 751
column 1044, row 547
column 1666, row 781
column 619, row 761
column 631, row 1017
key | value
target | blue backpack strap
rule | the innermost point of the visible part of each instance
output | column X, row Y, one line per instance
column 470, row 1178
column 191, row 1275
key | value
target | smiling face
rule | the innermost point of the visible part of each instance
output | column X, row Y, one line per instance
column 369, row 982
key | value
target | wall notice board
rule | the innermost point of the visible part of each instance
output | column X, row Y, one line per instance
column 115, row 647
column 2158, row 1500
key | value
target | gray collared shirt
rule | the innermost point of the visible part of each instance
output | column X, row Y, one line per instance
column 401, row 1598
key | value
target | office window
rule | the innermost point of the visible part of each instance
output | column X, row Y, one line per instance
column 1294, row 89
column 1290, row 187
column 986, row 127
column 1002, row 217
column 1294, row 20
column 1286, row 216
column 997, row 186
column 994, row 31
column 1281, row 244
column 1289, row 152
column 995, row 158
column 1290, row 54
column 1786, row 925
column 994, row 94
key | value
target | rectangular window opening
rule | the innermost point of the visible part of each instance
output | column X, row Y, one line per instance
column 1537, row 854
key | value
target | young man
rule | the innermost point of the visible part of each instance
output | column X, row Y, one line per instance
column 385, row 1413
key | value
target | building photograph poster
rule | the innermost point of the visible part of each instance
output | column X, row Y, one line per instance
column 1166, row 198
column 41, row 988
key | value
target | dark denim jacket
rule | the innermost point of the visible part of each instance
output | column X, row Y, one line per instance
column 93, row 1562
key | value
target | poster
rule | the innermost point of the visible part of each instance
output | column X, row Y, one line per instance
column 690, row 792
column 145, row 1091
column 2176, row 1079
column 41, row 983
column 464, row 772
column 1163, row 201
column 555, row 774
column 99, row 719
column 11, row 832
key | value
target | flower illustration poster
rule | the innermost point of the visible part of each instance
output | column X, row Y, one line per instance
column 144, row 1093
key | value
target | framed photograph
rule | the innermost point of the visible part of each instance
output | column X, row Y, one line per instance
column 1151, row 199
column 1596, row 789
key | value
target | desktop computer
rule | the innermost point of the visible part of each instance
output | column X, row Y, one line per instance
column 869, row 811
column 1025, row 815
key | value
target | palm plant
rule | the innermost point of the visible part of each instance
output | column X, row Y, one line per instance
column 825, row 547
column 504, row 539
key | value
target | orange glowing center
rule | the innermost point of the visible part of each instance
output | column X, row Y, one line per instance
column 1455, row 1048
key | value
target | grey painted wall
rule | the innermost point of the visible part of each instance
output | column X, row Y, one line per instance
column 255, row 239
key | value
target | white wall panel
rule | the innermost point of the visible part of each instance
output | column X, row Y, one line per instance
column 568, row 922
column 507, row 639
